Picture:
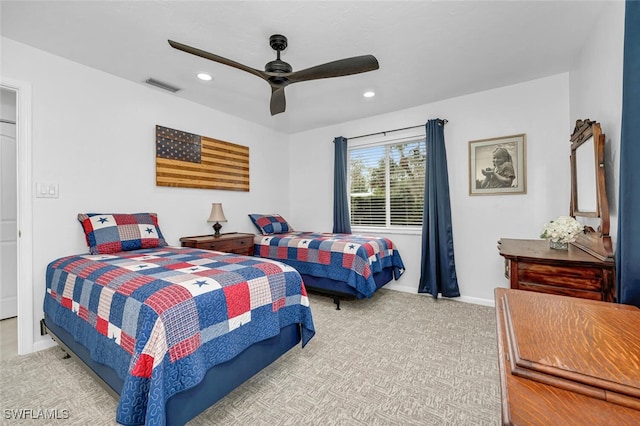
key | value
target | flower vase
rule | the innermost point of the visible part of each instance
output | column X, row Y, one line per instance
column 558, row 245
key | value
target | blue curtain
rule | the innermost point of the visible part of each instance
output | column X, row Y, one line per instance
column 628, row 248
column 438, row 267
column 341, row 221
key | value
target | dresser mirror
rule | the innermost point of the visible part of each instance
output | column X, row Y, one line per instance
column 586, row 202
column 588, row 188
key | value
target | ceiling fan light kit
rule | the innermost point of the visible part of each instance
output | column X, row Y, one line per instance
column 280, row 74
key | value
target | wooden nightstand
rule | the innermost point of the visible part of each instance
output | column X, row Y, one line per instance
column 230, row 243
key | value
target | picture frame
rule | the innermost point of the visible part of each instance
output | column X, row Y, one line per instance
column 508, row 175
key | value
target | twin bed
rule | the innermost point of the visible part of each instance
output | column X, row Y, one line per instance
column 338, row 265
column 170, row 331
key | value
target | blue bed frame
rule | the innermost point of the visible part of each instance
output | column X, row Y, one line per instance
column 218, row 382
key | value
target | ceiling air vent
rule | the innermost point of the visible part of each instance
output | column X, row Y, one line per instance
column 162, row 85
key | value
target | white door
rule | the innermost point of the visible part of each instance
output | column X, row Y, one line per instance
column 8, row 224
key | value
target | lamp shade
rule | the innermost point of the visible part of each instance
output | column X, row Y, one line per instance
column 217, row 215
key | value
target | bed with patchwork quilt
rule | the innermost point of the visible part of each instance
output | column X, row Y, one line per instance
column 338, row 265
column 172, row 330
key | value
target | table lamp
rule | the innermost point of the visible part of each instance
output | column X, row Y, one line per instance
column 217, row 216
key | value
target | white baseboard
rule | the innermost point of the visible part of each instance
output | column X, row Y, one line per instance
column 465, row 299
column 41, row 345
column 9, row 307
column 476, row 301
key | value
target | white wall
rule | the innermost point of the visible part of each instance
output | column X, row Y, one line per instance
column 539, row 108
column 596, row 92
column 94, row 135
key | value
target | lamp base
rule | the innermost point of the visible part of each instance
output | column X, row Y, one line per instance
column 216, row 229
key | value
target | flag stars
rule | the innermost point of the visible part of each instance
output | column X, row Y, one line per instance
column 201, row 283
column 149, row 230
column 103, row 220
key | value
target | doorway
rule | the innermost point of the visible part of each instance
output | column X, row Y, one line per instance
column 19, row 93
column 8, row 226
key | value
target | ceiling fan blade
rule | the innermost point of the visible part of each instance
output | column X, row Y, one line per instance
column 278, row 101
column 339, row 68
column 216, row 58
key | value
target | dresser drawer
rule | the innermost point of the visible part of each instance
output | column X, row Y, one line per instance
column 532, row 265
column 561, row 290
column 589, row 279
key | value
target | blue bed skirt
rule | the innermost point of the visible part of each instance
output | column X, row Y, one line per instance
column 217, row 383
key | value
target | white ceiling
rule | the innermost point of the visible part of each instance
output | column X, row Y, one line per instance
column 427, row 50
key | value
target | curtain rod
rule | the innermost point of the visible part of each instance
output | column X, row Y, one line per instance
column 441, row 122
column 3, row 120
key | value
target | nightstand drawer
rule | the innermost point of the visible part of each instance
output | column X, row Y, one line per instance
column 237, row 245
column 229, row 243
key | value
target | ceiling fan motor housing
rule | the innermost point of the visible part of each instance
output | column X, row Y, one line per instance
column 277, row 66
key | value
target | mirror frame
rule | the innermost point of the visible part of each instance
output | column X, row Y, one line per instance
column 595, row 242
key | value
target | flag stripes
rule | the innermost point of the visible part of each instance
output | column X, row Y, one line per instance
column 220, row 165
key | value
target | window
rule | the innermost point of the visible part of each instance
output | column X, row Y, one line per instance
column 387, row 184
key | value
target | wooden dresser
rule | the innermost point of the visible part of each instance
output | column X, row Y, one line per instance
column 532, row 265
column 567, row 361
column 230, row 243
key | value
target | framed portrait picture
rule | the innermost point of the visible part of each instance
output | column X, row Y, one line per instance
column 498, row 166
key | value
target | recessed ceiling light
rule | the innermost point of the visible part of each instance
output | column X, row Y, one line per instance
column 369, row 94
column 204, row 76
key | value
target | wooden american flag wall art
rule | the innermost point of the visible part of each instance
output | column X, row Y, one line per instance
column 192, row 161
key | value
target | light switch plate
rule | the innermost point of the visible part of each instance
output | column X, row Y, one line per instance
column 46, row 190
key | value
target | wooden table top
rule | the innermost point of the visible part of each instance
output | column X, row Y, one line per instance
column 566, row 360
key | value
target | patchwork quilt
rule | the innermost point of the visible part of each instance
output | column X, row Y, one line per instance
column 352, row 259
column 162, row 317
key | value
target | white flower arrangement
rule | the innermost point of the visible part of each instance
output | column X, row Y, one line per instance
column 564, row 229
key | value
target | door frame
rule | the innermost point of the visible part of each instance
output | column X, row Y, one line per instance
column 24, row 212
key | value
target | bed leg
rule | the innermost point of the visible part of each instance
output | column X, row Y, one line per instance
column 337, row 302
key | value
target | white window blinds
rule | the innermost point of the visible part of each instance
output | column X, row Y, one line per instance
column 387, row 184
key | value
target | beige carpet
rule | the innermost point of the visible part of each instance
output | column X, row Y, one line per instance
column 395, row 359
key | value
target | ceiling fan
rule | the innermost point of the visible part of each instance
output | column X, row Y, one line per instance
column 280, row 74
